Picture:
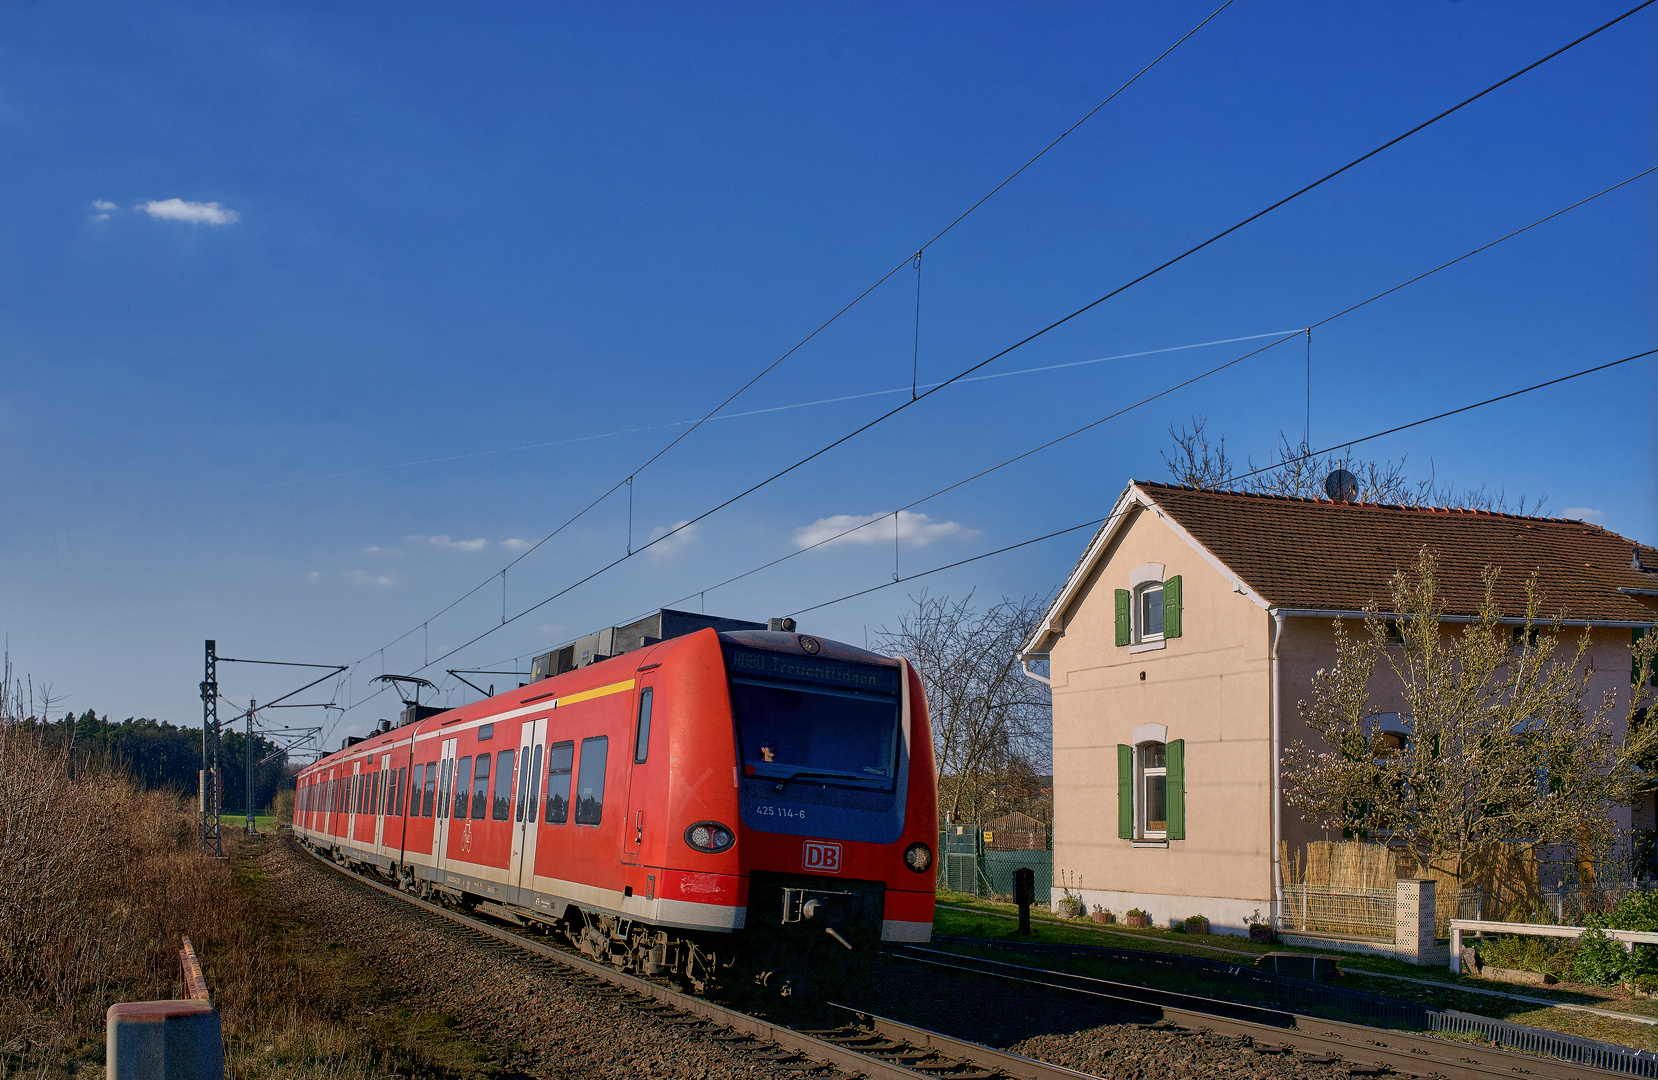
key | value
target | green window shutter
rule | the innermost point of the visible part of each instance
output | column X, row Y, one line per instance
column 1125, row 600
column 1171, row 607
column 1125, row 792
column 1176, row 788
column 1635, row 636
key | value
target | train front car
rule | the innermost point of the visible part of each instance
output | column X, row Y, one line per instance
column 836, row 804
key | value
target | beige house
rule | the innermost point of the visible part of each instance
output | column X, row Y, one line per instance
column 1192, row 625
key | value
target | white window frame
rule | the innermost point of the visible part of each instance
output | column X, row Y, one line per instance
column 1141, row 775
column 1138, row 619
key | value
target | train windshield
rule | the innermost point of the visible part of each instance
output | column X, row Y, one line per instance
column 829, row 722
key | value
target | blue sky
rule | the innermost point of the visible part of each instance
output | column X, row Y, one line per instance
column 311, row 315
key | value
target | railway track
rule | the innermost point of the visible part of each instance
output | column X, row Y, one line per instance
column 873, row 1047
column 1370, row 1049
column 882, row 1048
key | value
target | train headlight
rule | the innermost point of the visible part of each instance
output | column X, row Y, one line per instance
column 918, row 857
column 710, row 837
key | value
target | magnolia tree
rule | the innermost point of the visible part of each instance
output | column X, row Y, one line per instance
column 1503, row 739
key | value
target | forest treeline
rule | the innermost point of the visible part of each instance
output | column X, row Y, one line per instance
column 159, row 756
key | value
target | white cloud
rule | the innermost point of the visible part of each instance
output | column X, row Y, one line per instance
column 376, row 549
column 674, row 544
column 1584, row 513
column 512, row 543
column 448, row 543
column 195, row 213
column 358, row 577
column 914, row 530
column 103, row 208
column 313, row 575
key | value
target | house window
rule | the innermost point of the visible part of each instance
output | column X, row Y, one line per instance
column 1153, row 790
column 1148, row 612
column 1387, row 744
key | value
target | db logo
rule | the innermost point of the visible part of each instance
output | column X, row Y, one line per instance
column 822, row 858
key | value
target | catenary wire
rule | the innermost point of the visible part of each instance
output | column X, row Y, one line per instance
column 1011, row 348
column 829, row 321
column 1242, row 476
column 1169, row 390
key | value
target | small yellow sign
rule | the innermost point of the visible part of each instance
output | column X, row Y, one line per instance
column 989, row 836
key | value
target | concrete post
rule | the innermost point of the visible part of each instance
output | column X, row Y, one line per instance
column 1413, row 920
column 163, row 1040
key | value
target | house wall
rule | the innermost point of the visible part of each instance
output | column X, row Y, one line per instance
column 1309, row 644
column 1211, row 688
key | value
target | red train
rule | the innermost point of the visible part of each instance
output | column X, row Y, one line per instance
column 752, row 795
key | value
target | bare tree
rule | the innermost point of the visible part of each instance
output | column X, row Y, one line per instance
column 1502, row 740
column 992, row 726
column 1296, row 470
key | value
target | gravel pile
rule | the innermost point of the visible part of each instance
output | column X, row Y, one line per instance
column 538, row 1019
column 1130, row 1053
column 1070, row 1030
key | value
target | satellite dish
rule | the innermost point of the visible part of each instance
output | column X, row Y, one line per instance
column 1342, row 486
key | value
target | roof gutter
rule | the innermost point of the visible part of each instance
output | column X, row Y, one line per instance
column 1323, row 613
column 1024, row 666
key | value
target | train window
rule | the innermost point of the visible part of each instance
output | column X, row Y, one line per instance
column 463, row 786
column 443, row 789
column 590, row 781
column 375, row 787
column 559, row 758
column 642, row 741
column 501, row 808
column 397, row 801
column 535, row 782
column 428, row 786
column 842, row 734
column 480, row 787
column 486, row 732
column 523, row 787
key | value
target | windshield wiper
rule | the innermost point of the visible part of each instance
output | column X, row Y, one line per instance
column 810, row 774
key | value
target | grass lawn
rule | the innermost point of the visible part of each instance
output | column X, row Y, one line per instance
column 260, row 821
column 987, row 919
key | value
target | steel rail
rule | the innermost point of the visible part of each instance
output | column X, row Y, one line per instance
column 845, row 1056
column 1403, row 1051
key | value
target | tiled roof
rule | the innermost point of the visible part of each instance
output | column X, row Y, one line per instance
column 1312, row 553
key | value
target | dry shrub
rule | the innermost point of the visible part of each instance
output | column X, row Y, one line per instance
column 99, row 881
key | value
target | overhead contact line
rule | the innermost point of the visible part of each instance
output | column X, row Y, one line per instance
column 1242, row 476
column 907, row 261
column 1167, row 391
column 1011, row 348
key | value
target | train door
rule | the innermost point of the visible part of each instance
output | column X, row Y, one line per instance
column 384, row 778
column 356, row 800
column 526, row 812
column 640, row 766
column 440, row 827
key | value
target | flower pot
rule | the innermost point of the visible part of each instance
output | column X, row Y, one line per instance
column 1142, row 922
column 1197, row 926
column 1103, row 917
column 1069, row 908
column 1261, row 935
